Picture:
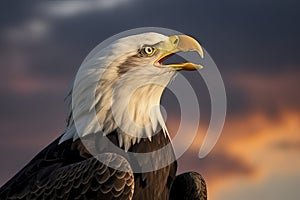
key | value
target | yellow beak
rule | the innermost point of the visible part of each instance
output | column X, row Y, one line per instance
column 179, row 43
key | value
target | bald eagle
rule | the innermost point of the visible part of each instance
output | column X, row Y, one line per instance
column 122, row 85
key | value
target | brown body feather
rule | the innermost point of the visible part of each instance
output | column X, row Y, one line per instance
column 68, row 171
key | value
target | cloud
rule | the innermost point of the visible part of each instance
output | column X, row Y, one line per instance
column 270, row 146
column 22, row 84
column 287, row 145
column 268, row 93
column 18, row 79
column 40, row 24
column 274, row 187
column 32, row 30
column 217, row 165
column 253, row 150
column 65, row 9
column 217, row 168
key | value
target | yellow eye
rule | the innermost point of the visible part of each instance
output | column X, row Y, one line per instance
column 149, row 51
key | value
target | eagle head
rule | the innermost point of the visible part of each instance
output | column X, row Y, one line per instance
column 119, row 87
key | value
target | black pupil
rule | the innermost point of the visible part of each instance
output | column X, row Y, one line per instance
column 149, row 50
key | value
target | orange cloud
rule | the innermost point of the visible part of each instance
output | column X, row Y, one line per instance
column 267, row 92
column 252, row 150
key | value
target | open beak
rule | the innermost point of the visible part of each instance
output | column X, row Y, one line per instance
column 179, row 43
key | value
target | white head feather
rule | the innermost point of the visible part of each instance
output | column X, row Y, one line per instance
column 116, row 90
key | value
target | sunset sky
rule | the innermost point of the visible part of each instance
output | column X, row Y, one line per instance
column 255, row 45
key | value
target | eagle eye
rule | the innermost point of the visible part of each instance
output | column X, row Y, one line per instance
column 147, row 51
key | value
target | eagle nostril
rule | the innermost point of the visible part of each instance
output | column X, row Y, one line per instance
column 175, row 41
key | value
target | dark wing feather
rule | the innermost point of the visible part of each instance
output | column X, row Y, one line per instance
column 148, row 185
column 50, row 175
column 68, row 171
column 189, row 186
